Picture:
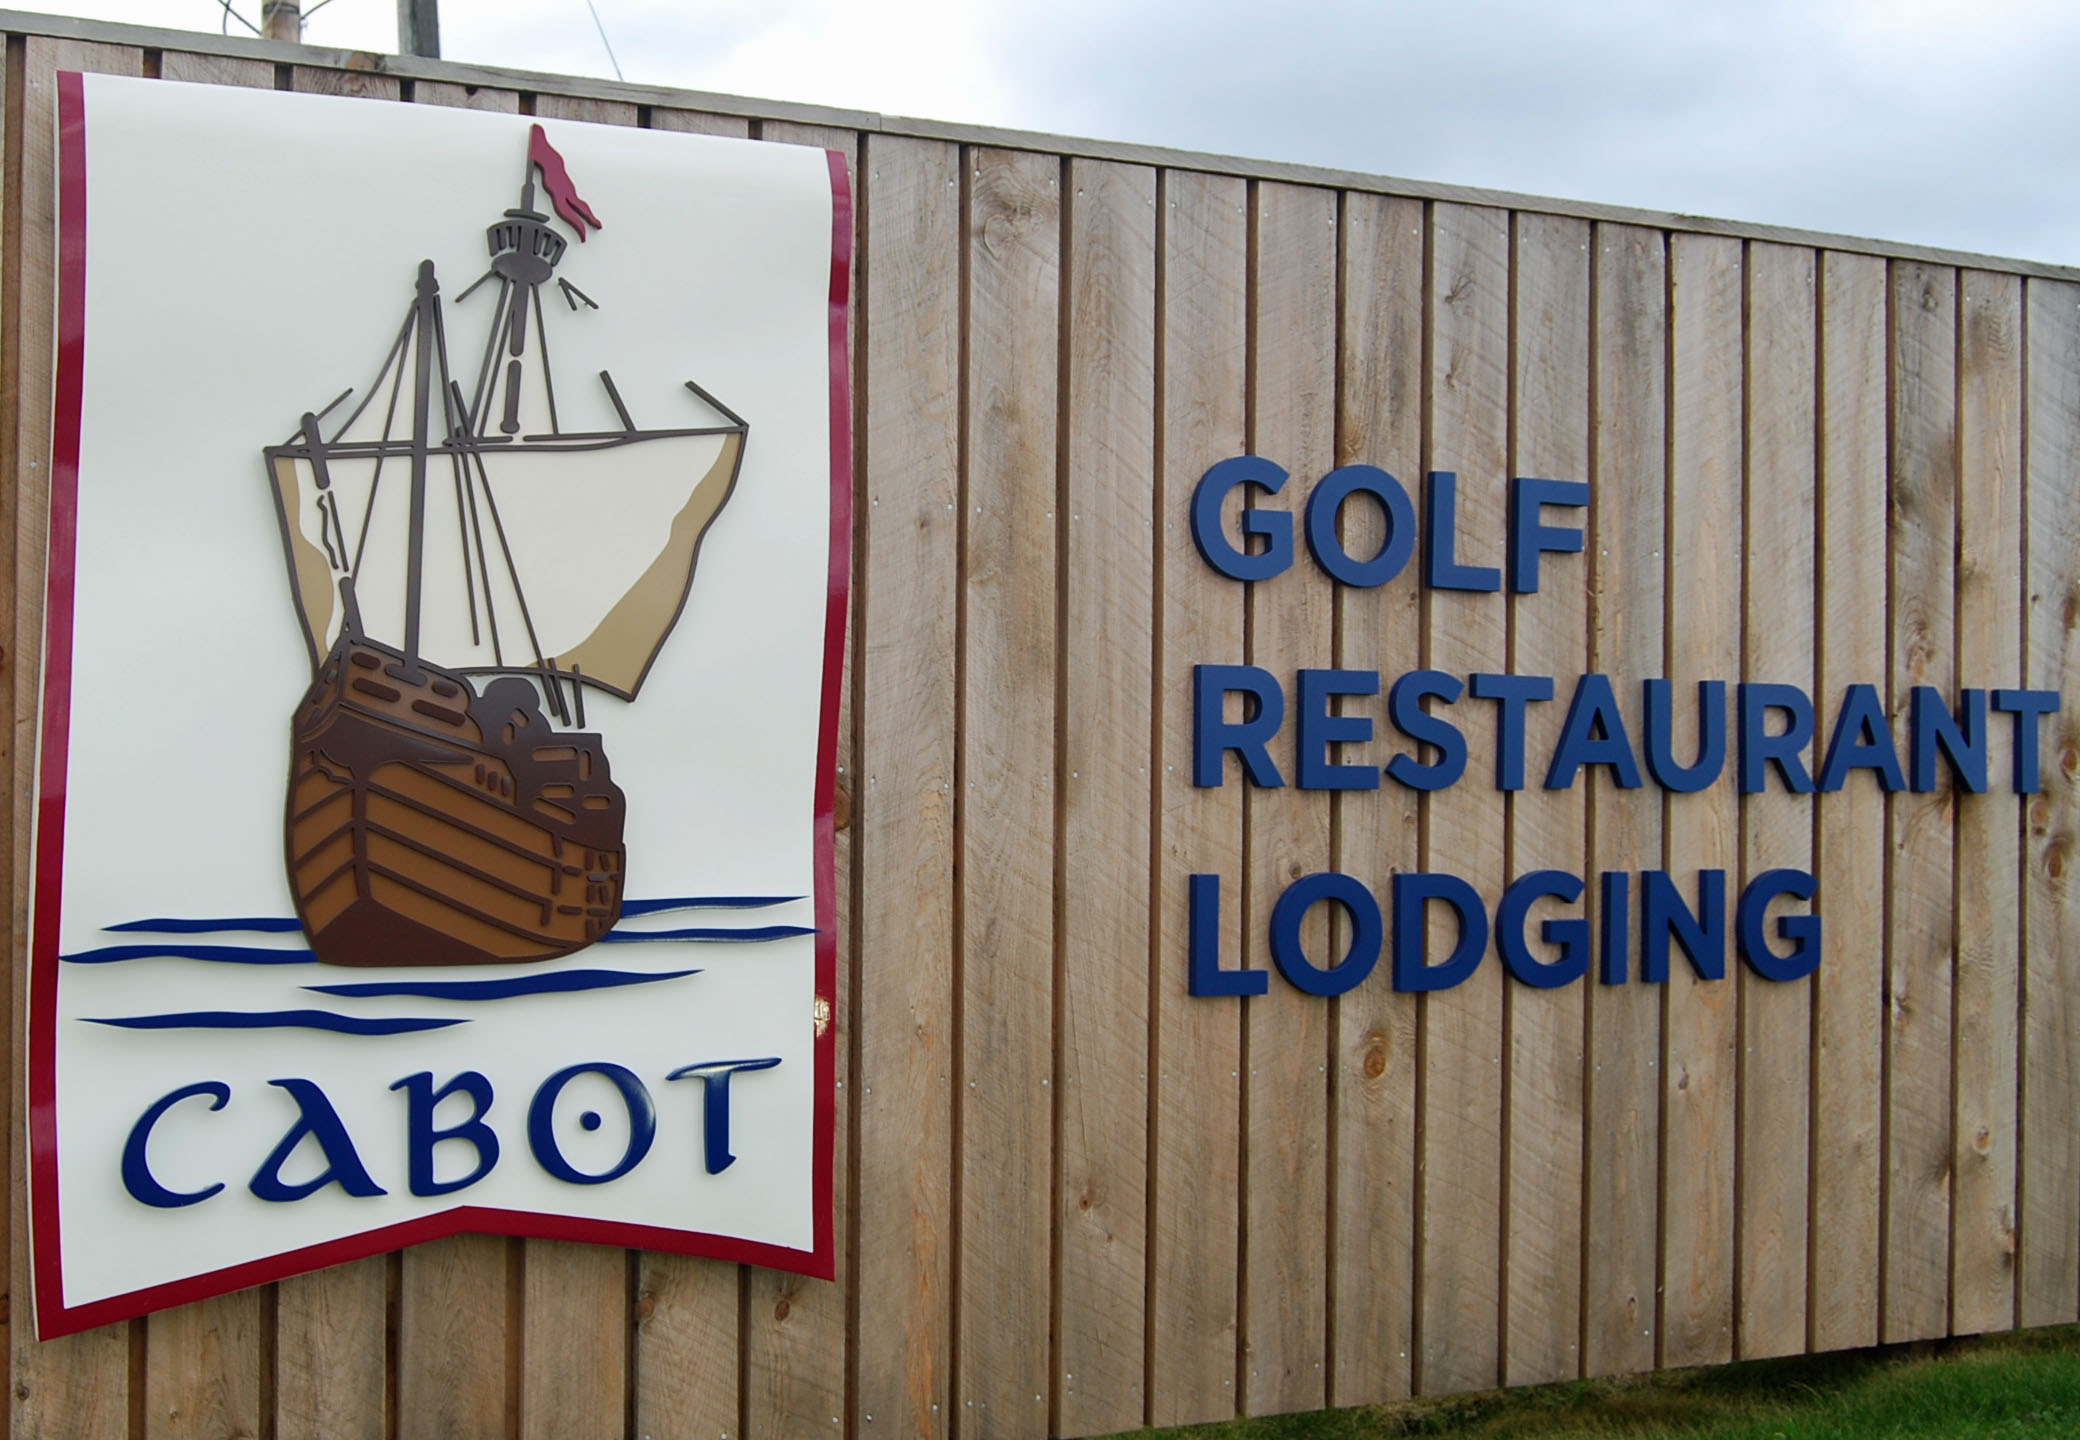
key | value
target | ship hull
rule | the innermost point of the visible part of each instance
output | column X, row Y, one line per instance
column 430, row 825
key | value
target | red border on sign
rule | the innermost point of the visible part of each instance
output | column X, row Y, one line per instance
column 53, row 1317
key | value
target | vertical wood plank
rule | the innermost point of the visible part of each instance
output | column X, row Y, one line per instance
column 2050, row 1270
column 1373, row 1114
column 453, row 1295
column 1920, row 962
column 1460, row 1165
column 330, row 1345
column 904, row 814
column 361, row 84
column 454, row 1329
column 700, row 122
column 216, row 70
column 465, row 97
column 577, row 1305
column 203, row 1368
column 1109, row 571
column 78, row 1386
column 1194, row 1203
column 1629, row 461
column 1848, row 1073
column 330, row 1326
column 1777, row 648
column 795, row 1338
column 1286, row 1033
column 1542, row 1232
column 686, row 1347
column 574, row 1355
column 1989, row 654
column 1007, row 928
column 585, row 108
column 1704, row 643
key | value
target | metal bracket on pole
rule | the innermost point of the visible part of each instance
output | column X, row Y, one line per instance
column 282, row 20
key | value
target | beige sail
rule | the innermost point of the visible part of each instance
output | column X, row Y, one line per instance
column 619, row 652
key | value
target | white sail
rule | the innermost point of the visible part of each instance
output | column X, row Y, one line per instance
column 549, row 551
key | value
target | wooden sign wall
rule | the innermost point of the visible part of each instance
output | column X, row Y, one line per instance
column 1075, row 1199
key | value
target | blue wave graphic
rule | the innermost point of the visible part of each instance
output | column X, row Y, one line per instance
column 285, row 925
column 564, row 980
column 225, row 954
column 273, row 1020
column 265, row 924
column 753, row 934
column 706, row 902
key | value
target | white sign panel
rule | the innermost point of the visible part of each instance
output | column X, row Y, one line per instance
column 447, row 576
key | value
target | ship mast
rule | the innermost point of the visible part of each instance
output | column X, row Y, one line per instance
column 424, row 318
column 524, row 251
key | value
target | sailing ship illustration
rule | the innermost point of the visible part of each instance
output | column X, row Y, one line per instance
column 441, row 537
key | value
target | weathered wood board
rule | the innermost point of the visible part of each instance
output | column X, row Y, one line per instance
column 1074, row 1197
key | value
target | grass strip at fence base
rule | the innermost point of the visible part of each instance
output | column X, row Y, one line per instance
column 2023, row 1384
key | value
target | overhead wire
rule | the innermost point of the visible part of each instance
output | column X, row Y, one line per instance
column 597, row 25
column 224, row 23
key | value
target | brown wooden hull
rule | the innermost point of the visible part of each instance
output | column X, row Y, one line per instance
column 428, row 825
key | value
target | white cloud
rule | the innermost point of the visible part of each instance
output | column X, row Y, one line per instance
column 1939, row 121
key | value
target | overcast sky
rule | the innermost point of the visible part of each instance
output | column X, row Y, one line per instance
column 1937, row 121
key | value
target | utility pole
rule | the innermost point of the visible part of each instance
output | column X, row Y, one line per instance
column 282, row 20
column 419, row 28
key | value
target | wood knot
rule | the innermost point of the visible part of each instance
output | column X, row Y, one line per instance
column 781, row 1309
column 646, row 1306
column 1375, row 1057
column 841, row 807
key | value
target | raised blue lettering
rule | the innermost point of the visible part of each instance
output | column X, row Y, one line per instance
column 2029, row 708
column 1273, row 527
column 317, row 1119
column 1803, row 931
column 1319, row 729
column 541, row 1123
column 1711, row 736
column 1862, row 740
column 1570, row 934
column 1530, row 536
column 421, row 1134
column 714, row 1077
column 1264, row 710
column 1204, row 975
column 1760, row 749
column 1515, row 692
column 1291, row 958
column 1405, row 708
column 1412, row 895
column 1326, row 504
column 137, row 1170
column 1593, row 734
column 1701, row 933
column 1441, row 568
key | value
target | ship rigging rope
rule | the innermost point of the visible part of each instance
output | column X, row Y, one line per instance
column 470, row 474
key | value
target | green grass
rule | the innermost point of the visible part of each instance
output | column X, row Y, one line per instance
column 2010, row 1387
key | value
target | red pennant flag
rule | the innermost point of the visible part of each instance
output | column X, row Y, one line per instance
column 557, row 181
